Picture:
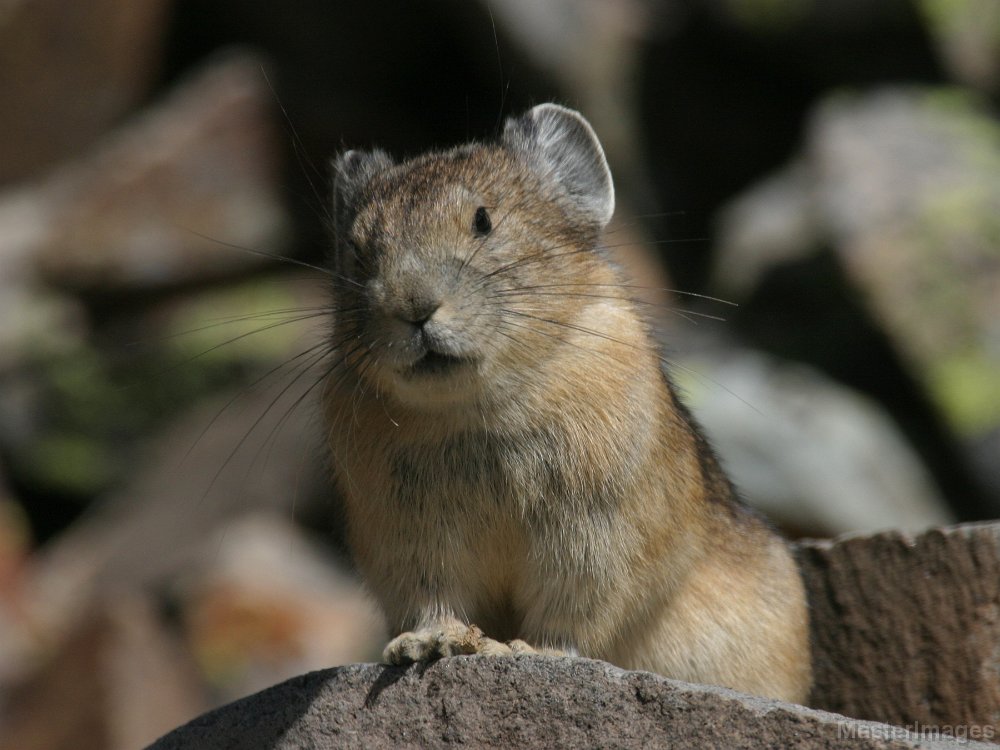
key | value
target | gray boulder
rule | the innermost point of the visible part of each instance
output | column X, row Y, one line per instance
column 526, row 701
column 905, row 630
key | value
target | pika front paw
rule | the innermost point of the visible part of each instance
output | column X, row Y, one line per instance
column 436, row 642
column 407, row 648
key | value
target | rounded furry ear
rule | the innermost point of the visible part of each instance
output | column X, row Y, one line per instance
column 352, row 170
column 568, row 151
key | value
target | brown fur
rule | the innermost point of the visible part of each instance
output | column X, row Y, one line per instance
column 552, row 489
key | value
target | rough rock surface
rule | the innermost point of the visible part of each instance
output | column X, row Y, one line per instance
column 518, row 702
column 907, row 629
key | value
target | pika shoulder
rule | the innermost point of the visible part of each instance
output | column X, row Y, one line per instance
column 517, row 470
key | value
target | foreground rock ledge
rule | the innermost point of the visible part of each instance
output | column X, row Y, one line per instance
column 525, row 701
column 906, row 628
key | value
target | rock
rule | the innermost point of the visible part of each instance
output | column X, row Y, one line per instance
column 34, row 321
column 911, row 186
column 775, row 222
column 264, row 322
column 68, row 72
column 906, row 629
column 816, row 457
column 250, row 449
column 966, row 35
column 527, row 701
column 203, row 474
column 265, row 604
column 16, row 639
column 904, row 187
column 725, row 87
column 117, row 681
column 186, row 192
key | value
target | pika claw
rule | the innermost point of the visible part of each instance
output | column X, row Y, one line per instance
column 432, row 643
column 407, row 648
column 428, row 644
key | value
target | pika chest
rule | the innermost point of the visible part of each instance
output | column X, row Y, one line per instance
column 480, row 472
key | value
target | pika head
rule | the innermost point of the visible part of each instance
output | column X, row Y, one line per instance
column 455, row 272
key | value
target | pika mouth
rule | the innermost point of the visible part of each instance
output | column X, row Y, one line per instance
column 437, row 364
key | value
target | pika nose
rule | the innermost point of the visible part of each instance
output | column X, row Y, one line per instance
column 419, row 311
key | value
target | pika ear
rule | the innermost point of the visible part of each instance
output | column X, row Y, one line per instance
column 351, row 172
column 566, row 148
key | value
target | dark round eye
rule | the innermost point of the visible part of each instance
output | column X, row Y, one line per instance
column 482, row 224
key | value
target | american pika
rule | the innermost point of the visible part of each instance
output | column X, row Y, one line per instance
column 518, row 473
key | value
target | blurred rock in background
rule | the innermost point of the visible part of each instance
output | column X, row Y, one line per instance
column 899, row 190
column 143, row 209
column 830, row 166
column 70, row 73
column 822, row 458
column 117, row 678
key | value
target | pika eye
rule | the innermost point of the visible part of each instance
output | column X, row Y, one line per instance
column 481, row 223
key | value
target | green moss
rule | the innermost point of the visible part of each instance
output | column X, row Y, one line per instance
column 94, row 403
column 74, row 464
column 768, row 16
column 947, row 18
column 254, row 322
column 967, row 386
column 955, row 243
column 965, row 119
